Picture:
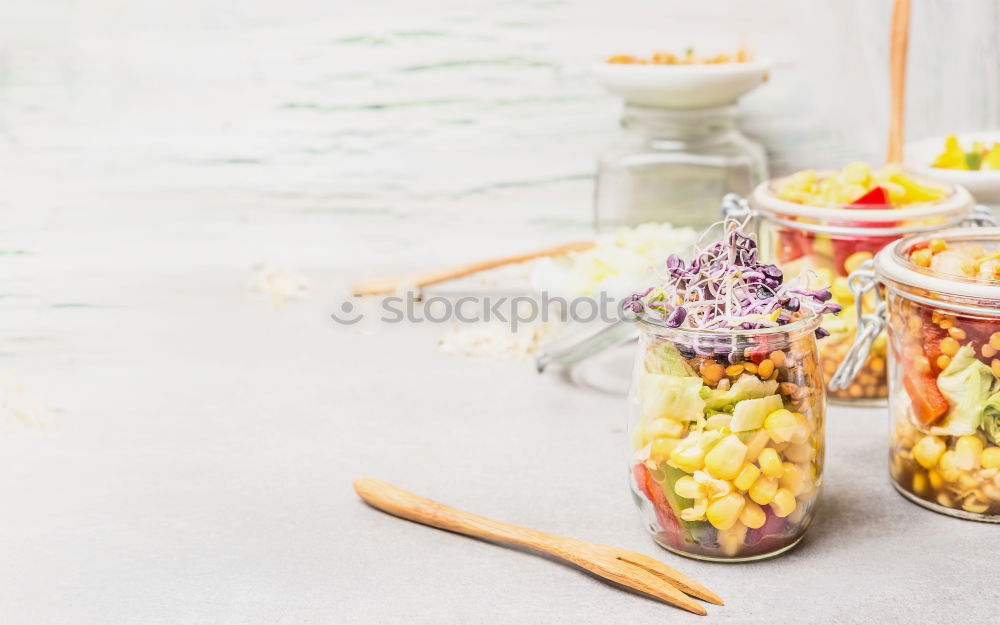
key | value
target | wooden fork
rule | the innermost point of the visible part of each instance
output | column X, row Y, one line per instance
column 381, row 286
column 618, row 565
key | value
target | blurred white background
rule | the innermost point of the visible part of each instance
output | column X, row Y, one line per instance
column 465, row 112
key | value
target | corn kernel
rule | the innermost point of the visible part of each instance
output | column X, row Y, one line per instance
column 990, row 458
column 935, row 479
column 731, row 540
column 725, row 511
column 857, row 173
column 995, row 340
column 943, row 361
column 921, row 258
column 995, row 367
column 841, row 291
column 800, row 452
column 695, row 512
column 725, row 460
column 792, row 479
column 715, row 488
column 966, row 482
column 919, row 485
column 762, row 491
column 756, row 444
column 938, row 245
column 947, row 468
column 688, row 456
column 949, row 346
column 944, row 499
column 661, row 448
column 663, row 428
column 802, row 429
column 770, row 463
column 687, row 488
column 987, row 351
column 749, row 474
column 783, row 503
column 973, row 504
column 922, row 364
column 855, row 260
column 968, row 450
column 781, row 425
column 752, row 516
column 928, row 451
column 957, row 333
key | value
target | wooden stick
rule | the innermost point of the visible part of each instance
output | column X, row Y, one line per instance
column 897, row 79
column 378, row 286
column 619, row 565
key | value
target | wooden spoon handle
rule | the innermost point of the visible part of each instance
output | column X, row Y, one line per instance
column 378, row 286
column 897, row 79
column 404, row 504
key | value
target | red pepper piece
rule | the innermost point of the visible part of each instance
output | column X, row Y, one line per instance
column 664, row 513
column 929, row 405
column 792, row 245
column 875, row 198
column 932, row 333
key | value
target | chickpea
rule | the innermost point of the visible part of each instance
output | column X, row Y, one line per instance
column 765, row 368
column 778, row 358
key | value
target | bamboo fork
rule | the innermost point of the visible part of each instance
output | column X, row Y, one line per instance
column 618, row 565
column 378, row 286
column 897, row 79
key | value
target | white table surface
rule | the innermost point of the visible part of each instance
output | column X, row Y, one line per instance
column 175, row 450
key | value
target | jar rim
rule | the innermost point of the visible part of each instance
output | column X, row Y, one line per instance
column 958, row 201
column 893, row 263
column 809, row 321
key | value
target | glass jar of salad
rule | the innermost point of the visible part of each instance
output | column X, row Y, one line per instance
column 829, row 223
column 674, row 166
column 939, row 296
column 727, row 405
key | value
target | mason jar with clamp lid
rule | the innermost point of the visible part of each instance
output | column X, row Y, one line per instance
column 938, row 294
column 834, row 239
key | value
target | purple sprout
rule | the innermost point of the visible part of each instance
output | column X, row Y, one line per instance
column 724, row 287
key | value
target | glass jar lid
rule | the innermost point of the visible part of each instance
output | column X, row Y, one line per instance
column 955, row 204
column 894, row 264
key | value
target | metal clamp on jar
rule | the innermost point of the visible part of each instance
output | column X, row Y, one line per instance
column 939, row 297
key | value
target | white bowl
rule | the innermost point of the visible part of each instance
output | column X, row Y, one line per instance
column 983, row 185
column 682, row 86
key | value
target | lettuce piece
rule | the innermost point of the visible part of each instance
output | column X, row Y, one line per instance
column 671, row 397
column 967, row 384
column 991, row 418
column 746, row 387
column 749, row 414
column 665, row 359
